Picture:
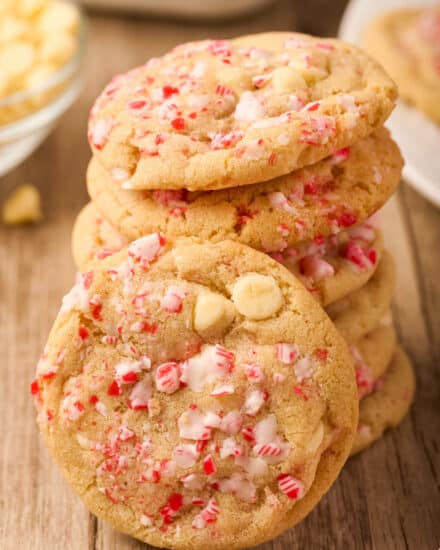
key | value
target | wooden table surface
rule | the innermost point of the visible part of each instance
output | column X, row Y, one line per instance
column 386, row 498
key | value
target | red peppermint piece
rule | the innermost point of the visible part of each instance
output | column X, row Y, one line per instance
column 268, row 449
column 83, row 333
column 178, row 123
column 130, row 377
column 248, row 434
column 208, row 465
column 291, row 487
column 346, row 219
column 167, row 377
column 136, row 104
column 168, row 91
column 96, row 311
column 114, row 389
column 175, row 502
column 35, row 388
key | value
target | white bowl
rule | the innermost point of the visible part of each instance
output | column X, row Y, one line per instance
column 19, row 138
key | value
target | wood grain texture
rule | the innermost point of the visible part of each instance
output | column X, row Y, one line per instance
column 386, row 498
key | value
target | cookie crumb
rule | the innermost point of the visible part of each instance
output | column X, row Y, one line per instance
column 23, row 205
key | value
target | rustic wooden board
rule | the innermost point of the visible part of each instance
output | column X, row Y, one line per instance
column 386, row 498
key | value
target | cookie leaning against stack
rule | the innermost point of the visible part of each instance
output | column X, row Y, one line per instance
column 195, row 394
column 208, row 161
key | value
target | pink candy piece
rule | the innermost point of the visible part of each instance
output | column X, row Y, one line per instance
column 316, row 268
column 224, row 141
column 140, row 394
column 291, row 487
column 207, row 515
column 100, row 132
column 185, row 455
column 173, row 299
column 267, row 449
column 167, row 377
column 146, row 249
column 253, row 372
column 286, row 353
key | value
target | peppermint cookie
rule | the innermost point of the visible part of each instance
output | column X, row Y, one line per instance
column 194, row 395
column 407, row 42
column 329, row 267
column 219, row 113
column 332, row 267
column 93, row 237
column 361, row 311
column 388, row 405
column 334, row 194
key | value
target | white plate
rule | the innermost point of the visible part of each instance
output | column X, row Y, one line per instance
column 417, row 136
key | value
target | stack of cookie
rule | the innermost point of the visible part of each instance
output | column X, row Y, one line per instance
column 201, row 391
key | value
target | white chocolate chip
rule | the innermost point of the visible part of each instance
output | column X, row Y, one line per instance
column 58, row 48
column 316, row 439
column 39, row 75
column 234, row 78
column 22, row 206
column 287, row 79
column 212, row 310
column 59, row 17
column 17, row 58
column 257, row 296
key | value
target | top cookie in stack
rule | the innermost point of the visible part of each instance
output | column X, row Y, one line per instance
column 217, row 114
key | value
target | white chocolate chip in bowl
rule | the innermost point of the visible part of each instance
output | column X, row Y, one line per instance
column 257, row 296
column 212, row 312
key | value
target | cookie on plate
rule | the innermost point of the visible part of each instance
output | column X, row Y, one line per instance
column 407, row 43
column 388, row 404
column 362, row 310
column 194, row 394
column 334, row 194
column 224, row 113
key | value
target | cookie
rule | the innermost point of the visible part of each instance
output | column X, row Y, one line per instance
column 225, row 113
column 372, row 354
column 330, row 267
column 336, row 193
column 388, row 405
column 193, row 394
column 361, row 311
column 407, row 42
column 93, row 237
